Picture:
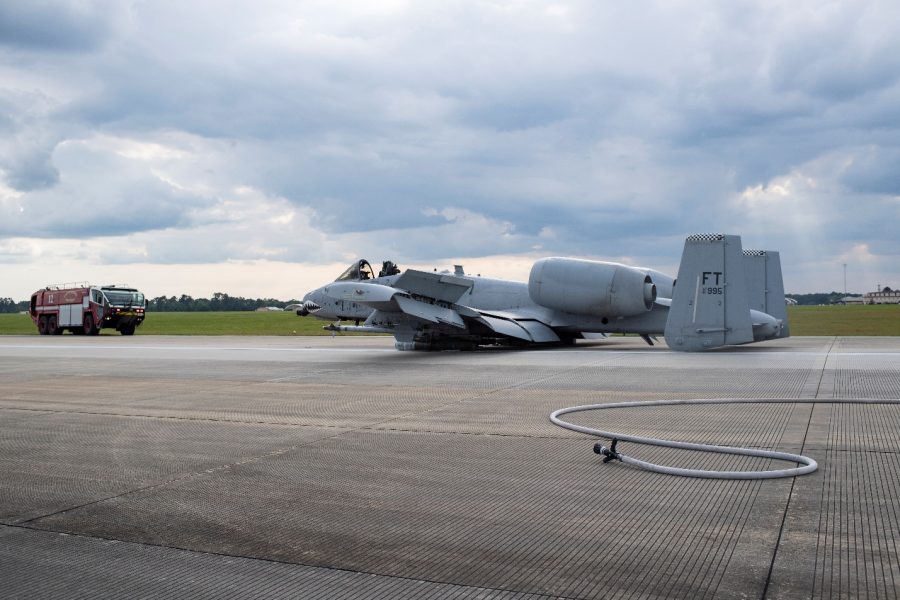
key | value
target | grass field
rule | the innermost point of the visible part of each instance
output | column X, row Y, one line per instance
column 804, row 320
column 198, row 323
column 879, row 319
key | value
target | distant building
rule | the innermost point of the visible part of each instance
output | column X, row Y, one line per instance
column 885, row 296
column 851, row 300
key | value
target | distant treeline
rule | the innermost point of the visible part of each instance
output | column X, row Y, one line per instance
column 8, row 305
column 219, row 301
column 184, row 303
column 819, row 298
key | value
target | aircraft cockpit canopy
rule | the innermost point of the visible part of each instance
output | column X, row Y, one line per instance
column 360, row 270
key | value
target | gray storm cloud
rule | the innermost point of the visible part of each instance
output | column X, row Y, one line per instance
column 452, row 129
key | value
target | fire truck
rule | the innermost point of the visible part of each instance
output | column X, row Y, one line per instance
column 85, row 309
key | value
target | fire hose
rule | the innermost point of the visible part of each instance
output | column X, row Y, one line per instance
column 809, row 465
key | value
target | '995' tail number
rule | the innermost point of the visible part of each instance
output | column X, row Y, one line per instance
column 712, row 283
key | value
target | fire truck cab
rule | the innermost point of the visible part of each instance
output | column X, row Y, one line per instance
column 85, row 309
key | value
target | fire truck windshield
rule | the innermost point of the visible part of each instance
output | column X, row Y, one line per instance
column 124, row 297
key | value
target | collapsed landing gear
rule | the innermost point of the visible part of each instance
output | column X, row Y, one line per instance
column 429, row 343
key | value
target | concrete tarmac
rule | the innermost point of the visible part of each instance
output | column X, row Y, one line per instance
column 340, row 468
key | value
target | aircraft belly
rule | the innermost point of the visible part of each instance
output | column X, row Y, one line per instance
column 652, row 323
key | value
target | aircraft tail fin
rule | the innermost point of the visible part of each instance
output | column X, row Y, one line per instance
column 710, row 304
column 765, row 285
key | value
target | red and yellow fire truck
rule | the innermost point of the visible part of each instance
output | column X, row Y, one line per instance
column 85, row 309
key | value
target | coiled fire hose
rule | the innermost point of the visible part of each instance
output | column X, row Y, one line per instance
column 808, row 464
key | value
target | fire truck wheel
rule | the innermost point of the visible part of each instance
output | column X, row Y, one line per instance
column 89, row 325
column 52, row 329
column 42, row 325
column 127, row 330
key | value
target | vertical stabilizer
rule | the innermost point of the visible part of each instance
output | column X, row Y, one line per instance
column 765, row 287
column 710, row 306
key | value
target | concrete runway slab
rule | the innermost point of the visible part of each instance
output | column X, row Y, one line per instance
column 340, row 468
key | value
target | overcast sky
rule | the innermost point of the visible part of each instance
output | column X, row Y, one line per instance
column 255, row 148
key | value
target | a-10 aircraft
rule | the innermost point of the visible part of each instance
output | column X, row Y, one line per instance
column 723, row 295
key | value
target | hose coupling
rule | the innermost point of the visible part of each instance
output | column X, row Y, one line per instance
column 608, row 453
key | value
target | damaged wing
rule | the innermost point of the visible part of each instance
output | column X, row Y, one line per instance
column 432, row 298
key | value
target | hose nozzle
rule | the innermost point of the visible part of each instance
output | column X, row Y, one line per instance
column 608, row 453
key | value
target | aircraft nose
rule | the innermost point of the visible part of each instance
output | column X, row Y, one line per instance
column 309, row 306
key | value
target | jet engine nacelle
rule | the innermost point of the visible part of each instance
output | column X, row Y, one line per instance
column 590, row 287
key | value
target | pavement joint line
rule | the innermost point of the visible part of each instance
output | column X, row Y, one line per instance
column 380, row 427
column 301, row 376
column 740, row 532
column 185, row 477
column 787, row 505
column 170, row 417
column 824, row 366
column 25, row 527
column 756, row 491
column 855, row 452
column 574, row 437
column 346, row 429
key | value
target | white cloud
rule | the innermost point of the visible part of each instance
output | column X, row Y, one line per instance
column 275, row 131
